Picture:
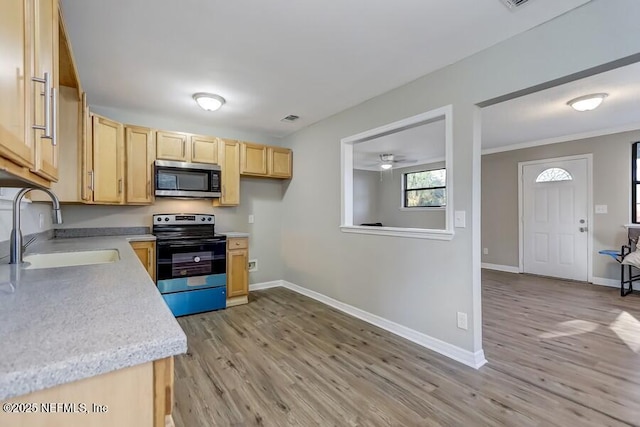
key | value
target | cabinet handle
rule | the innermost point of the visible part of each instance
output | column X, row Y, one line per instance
column 120, row 186
column 91, row 180
column 148, row 189
column 149, row 259
column 54, row 117
column 47, row 105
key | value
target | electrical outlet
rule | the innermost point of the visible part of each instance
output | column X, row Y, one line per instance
column 485, row 251
column 602, row 209
column 462, row 321
column 251, row 218
column 253, row 265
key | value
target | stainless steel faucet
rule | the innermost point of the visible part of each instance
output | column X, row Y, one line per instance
column 15, row 254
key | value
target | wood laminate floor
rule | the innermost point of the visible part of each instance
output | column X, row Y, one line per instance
column 560, row 354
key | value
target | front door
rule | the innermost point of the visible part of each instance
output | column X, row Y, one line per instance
column 555, row 213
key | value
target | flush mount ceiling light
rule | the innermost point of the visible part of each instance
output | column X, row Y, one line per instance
column 386, row 166
column 587, row 102
column 209, row 101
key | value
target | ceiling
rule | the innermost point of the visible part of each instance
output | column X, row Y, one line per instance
column 539, row 118
column 273, row 58
column 545, row 116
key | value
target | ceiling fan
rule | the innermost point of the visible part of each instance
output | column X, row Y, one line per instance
column 387, row 161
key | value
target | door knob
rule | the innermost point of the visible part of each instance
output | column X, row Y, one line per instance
column 583, row 229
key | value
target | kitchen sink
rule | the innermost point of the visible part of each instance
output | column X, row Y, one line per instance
column 68, row 259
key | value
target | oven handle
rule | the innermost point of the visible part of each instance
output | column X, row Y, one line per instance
column 190, row 243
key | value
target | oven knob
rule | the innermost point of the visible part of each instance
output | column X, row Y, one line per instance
column 202, row 219
column 159, row 219
column 196, row 259
column 209, row 219
column 166, row 218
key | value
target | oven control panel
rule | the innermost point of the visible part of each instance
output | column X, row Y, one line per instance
column 182, row 219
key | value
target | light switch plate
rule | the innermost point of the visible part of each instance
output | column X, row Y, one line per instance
column 460, row 219
column 602, row 209
column 251, row 219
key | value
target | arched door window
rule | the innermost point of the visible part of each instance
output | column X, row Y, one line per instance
column 554, row 175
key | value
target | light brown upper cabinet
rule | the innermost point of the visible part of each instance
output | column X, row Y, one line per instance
column 29, row 47
column 253, row 159
column 280, row 162
column 184, row 147
column 265, row 161
column 15, row 105
column 204, row 149
column 45, row 64
column 229, row 157
column 172, row 146
column 108, row 161
column 140, row 147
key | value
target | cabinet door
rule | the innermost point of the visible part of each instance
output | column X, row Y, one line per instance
column 140, row 155
column 172, row 146
column 108, row 161
column 204, row 149
column 229, row 156
column 45, row 60
column 237, row 273
column 253, row 159
column 146, row 252
column 15, row 83
column 280, row 162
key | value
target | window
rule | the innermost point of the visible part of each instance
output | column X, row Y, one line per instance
column 425, row 189
column 635, row 183
column 554, row 175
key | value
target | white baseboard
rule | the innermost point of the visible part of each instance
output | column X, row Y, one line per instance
column 603, row 281
column 498, row 267
column 265, row 285
column 466, row 357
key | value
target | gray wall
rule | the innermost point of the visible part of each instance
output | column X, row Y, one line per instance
column 422, row 283
column 366, row 192
column 611, row 187
column 391, row 199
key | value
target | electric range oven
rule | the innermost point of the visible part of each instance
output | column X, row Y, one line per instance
column 191, row 263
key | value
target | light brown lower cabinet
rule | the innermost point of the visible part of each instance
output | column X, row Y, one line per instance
column 140, row 396
column 237, row 271
column 146, row 252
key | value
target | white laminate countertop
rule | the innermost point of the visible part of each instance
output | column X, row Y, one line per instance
column 233, row 234
column 59, row 325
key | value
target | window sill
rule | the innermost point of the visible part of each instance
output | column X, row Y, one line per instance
column 416, row 209
column 413, row 233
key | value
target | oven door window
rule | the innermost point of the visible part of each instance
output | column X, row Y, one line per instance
column 191, row 264
column 187, row 259
column 182, row 180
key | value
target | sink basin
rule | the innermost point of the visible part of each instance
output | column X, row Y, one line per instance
column 68, row 259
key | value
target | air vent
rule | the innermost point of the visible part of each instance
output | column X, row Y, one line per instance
column 290, row 118
column 512, row 4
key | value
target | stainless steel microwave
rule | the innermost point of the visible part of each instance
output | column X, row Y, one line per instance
column 192, row 180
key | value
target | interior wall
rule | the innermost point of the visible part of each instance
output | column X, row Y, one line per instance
column 418, row 283
column 611, row 187
column 258, row 197
column 390, row 202
column 366, row 192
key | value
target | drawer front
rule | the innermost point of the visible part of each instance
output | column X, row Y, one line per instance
column 168, row 286
column 191, row 302
column 237, row 243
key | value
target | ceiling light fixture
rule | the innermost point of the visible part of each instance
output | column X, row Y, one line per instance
column 386, row 166
column 209, row 101
column 587, row 102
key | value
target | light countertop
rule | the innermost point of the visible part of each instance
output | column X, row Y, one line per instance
column 59, row 325
column 233, row 234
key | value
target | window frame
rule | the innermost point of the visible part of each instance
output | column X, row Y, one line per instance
column 405, row 191
column 635, row 182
